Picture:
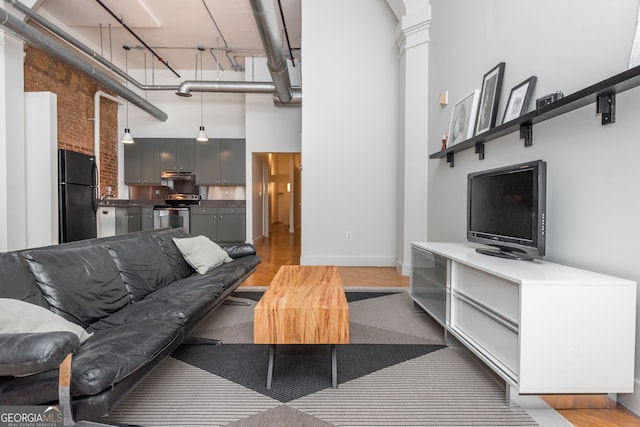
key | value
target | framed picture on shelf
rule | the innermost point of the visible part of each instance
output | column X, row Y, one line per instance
column 489, row 98
column 462, row 118
column 519, row 99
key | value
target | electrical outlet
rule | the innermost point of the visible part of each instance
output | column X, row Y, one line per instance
column 348, row 235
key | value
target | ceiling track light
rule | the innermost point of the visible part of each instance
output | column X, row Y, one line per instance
column 126, row 138
column 202, row 136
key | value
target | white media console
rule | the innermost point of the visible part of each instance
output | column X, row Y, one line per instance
column 543, row 327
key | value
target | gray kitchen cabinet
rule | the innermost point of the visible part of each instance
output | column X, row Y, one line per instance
column 128, row 220
column 220, row 162
column 231, row 224
column 177, row 154
column 146, row 218
column 232, row 161
column 204, row 221
column 142, row 162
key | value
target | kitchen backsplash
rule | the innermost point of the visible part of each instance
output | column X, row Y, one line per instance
column 148, row 192
column 158, row 192
column 220, row 192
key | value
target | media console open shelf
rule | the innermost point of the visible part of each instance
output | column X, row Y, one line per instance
column 602, row 93
column 544, row 328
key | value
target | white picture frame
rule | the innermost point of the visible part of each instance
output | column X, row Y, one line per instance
column 463, row 119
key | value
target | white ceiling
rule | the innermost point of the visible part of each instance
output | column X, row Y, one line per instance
column 173, row 29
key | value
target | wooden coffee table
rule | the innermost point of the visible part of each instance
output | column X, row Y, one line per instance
column 303, row 305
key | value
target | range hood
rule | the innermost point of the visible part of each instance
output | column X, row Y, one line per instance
column 178, row 175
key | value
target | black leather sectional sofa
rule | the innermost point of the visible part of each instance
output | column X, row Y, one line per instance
column 136, row 295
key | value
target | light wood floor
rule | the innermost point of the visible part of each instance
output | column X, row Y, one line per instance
column 283, row 248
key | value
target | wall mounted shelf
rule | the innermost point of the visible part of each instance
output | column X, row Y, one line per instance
column 602, row 93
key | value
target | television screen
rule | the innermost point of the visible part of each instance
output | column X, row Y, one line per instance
column 506, row 209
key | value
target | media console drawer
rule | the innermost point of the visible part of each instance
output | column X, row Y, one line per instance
column 488, row 332
column 500, row 295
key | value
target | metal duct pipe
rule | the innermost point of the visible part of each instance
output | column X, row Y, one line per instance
column 265, row 17
column 189, row 86
column 296, row 99
column 82, row 47
column 37, row 39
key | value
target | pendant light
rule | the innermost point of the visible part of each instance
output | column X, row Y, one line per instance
column 202, row 136
column 127, row 138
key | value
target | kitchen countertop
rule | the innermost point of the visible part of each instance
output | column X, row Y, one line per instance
column 124, row 203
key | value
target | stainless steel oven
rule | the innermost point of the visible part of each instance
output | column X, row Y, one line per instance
column 175, row 212
column 171, row 217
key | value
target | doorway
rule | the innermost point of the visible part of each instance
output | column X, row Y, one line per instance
column 278, row 201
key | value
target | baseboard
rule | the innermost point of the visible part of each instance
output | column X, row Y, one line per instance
column 403, row 268
column 349, row 261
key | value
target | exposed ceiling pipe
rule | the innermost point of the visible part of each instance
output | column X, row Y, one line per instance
column 268, row 28
column 183, row 90
column 189, row 86
column 48, row 25
column 39, row 40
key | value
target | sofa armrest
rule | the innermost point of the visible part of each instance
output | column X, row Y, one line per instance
column 238, row 250
column 30, row 353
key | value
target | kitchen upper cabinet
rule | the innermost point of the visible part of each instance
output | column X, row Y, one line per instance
column 220, row 162
column 176, row 154
column 142, row 162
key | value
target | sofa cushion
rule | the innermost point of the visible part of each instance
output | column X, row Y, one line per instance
column 19, row 317
column 177, row 262
column 201, row 253
column 16, row 281
column 29, row 354
column 81, row 284
column 142, row 264
column 114, row 353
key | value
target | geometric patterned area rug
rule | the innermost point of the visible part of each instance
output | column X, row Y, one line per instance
column 397, row 371
column 299, row 370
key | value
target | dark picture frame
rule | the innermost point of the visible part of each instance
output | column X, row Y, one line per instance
column 519, row 99
column 489, row 98
column 463, row 119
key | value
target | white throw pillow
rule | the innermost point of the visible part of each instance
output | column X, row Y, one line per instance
column 20, row 317
column 201, row 253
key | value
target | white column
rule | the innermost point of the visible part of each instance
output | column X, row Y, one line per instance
column 12, row 147
column 41, row 136
column 413, row 54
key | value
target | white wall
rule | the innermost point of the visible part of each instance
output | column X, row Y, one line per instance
column 269, row 129
column 592, row 200
column 349, row 133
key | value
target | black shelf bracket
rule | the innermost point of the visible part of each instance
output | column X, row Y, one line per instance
column 450, row 158
column 480, row 150
column 606, row 107
column 526, row 133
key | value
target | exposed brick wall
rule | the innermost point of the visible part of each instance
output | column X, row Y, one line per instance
column 75, row 92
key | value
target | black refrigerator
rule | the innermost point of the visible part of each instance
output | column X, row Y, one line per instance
column 77, row 196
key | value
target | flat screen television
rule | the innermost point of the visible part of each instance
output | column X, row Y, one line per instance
column 506, row 210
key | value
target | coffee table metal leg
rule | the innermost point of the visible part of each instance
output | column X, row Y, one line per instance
column 272, row 355
column 334, row 367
